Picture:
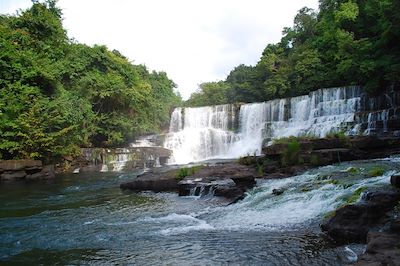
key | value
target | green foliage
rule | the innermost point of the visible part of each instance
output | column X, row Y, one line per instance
column 314, row 160
column 290, row 155
column 356, row 195
column 376, row 171
column 209, row 93
column 330, row 214
column 352, row 170
column 248, row 160
column 57, row 95
column 260, row 169
column 187, row 171
column 347, row 43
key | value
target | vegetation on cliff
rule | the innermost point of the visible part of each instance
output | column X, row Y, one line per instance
column 57, row 95
column 348, row 42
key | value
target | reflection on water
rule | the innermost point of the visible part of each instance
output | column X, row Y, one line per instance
column 86, row 219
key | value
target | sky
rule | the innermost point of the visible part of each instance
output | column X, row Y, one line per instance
column 192, row 41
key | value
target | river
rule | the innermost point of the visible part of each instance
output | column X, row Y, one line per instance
column 87, row 219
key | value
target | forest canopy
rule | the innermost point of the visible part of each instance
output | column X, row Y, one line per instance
column 348, row 42
column 57, row 95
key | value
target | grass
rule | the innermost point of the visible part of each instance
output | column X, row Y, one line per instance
column 376, row 171
column 352, row 170
column 290, row 155
column 329, row 214
column 187, row 171
column 248, row 160
column 356, row 195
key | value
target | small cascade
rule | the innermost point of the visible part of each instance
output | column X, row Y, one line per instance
column 202, row 190
column 104, row 168
column 205, row 132
column 124, row 159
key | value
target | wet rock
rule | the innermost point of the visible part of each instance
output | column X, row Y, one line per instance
column 234, row 194
column 382, row 249
column 351, row 223
column 278, row 191
column 13, row 175
column 16, row 165
column 156, row 182
column 15, row 170
column 395, row 180
column 228, row 180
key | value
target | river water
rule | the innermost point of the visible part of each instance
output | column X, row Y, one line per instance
column 86, row 219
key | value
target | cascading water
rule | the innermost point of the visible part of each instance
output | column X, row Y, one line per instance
column 203, row 133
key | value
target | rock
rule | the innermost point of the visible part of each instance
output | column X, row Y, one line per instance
column 153, row 181
column 227, row 180
column 12, row 175
column 234, row 194
column 16, row 165
column 395, row 180
column 278, row 191
column 47, row 172
column 382, row 249
column 351, row 223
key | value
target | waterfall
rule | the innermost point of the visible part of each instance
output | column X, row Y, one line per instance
column 231, row 131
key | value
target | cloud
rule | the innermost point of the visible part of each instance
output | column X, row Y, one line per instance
column 193, row 41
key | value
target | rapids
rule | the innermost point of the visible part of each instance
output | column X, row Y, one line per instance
column 87, row 219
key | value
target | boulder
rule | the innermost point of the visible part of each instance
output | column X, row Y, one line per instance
column 229, row 180
column 351, row 223
column 153, row 181
column 382, row 249
column 12, row 175
column 395, row 180
column 278, row 191
column 47, row 172
column 16, row 165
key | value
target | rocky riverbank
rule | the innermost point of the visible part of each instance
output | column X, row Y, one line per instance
column 286, row 158
column 28, row 170
column 374, row 220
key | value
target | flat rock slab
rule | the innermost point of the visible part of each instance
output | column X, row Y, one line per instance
column 16, row 165
column 157, row 182
column 382, row 249
column 229, row 180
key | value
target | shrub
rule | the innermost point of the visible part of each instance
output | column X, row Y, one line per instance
column 187, row 171
column 290, row 155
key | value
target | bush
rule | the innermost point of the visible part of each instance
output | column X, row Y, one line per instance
column 187, row 171
column 290, row 155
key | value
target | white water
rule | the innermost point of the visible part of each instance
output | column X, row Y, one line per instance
column 306, row 198
column 204, row 133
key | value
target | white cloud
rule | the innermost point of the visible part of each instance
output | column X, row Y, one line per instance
column 193, row 41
